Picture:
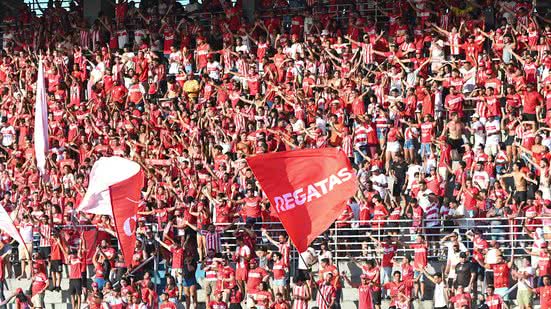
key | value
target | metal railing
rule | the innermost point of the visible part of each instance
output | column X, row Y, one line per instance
column 352, row 241
column 346, row 239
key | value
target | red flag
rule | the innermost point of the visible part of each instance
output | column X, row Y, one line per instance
column 125, row 197
column 93, row 239
column 309, row 189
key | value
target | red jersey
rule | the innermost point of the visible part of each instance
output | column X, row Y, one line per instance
column 255, row 277
column 365, row 299
column 545, row 296
column 388, row 254
column 420, row 258
column 427, row 132
column 501, row 275
column 494, row 302
column 40, row 281
column 218, row 305
column 167, row 305
column 461, row 300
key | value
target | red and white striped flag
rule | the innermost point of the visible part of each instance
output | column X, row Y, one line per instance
column 41, row 122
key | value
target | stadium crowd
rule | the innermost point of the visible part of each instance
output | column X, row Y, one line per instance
column 444, row 109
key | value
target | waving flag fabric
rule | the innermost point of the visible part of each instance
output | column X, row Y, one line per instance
column 309, row 189
column 115, row 190
column 41, row 122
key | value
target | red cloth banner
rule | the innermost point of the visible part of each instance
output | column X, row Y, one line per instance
column 308, row 189
column 125, row 197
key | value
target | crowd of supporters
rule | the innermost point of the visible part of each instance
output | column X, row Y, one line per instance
column 443, row 107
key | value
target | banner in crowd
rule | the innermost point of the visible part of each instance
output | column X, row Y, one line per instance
column 8, row 227
column 115, row 190
column 41, row 122
column 309, row 189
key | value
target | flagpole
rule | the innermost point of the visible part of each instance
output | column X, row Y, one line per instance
column 309, row 269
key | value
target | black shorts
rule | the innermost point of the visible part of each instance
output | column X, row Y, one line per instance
column 456, row 144
column 520, row 196
column 55, row 266
column 529, row 117
column 75, row 286
column 84, row 279
column 45, row 252
column 509, row 140
column 376, row 297
column 450, row 283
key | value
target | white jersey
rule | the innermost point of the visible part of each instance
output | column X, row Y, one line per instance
column 8, row 136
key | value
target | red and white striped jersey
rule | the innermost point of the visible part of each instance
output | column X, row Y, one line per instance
column 326, row 294
column 360, row 136
column 242, row 253
column 431, row 215
column 213, row 241
column 45, row 235
column 367, row 53
column 285, row 251
column 453, row 40
column 347, row 145
column 302, row 291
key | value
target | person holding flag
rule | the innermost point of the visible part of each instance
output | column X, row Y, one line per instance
column 327, row 294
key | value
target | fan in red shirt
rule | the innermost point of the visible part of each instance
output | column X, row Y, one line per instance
column 502, row 270
column 532, row 102
column 461, row 299
column 218, row 303
column 365, row 290
column 280, row 302
column 251, row 210
column 545, row 293
column 493, row 301
column 396, row 287
column 256, row 276
column 420, row 261
column 165, row 303
column 261, row 296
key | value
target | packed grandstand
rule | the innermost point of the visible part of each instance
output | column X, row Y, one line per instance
column 442, row 107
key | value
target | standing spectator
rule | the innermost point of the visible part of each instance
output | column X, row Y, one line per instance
column 440, row 296
column 524, row 276
column 242, row 256
column 39, row 284
column 326, row 292
column 493, row 301
column 364, row 291
column 461, row 299
column 465, row 274
column 25, row 249
column 300, row 293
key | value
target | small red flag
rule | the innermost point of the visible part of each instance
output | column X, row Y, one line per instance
column 308, row 189
column 125, row 197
